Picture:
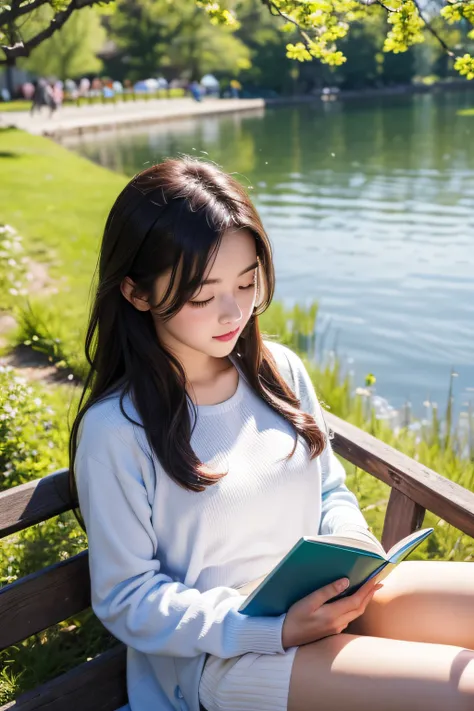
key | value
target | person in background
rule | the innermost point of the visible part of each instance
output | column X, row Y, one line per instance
column 57, row 94
column 195, row 90
column 235, row 88
column 42, row 96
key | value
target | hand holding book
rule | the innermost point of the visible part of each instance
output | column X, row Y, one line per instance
column 316, row 562
column 312, row 618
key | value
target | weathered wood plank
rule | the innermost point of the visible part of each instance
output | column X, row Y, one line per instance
column 403, row 516
column 42, row 599
column 27, row 504
column 98, row 685
column 424, row 486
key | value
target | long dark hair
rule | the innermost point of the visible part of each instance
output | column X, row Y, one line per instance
column 172, row 216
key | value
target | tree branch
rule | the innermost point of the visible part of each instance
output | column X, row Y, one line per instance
column 274, row 10
column 271, row 6
column 11, row 15
column 447, row 49
column 24, row 49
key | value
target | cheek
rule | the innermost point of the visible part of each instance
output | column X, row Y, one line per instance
column 189, row 320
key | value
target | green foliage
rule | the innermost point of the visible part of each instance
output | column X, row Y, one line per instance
column 12, row 267
column 175, row 39
column 33, row 439
column 465, row 66
column 71, row 51
column 322, row 24
column 407, row 27
column 155, row 33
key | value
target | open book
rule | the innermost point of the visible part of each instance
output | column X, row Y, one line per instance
column 315, row 562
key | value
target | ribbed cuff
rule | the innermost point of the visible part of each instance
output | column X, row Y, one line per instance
column 261, row 635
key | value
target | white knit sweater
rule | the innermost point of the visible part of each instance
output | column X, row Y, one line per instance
column 165, row 561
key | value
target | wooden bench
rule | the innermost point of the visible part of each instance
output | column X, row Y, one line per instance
column 35, row 602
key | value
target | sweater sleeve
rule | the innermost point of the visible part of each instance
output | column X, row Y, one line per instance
column 139, row 604
column 340, row 509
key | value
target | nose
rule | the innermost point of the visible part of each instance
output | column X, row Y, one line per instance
column 230, row 311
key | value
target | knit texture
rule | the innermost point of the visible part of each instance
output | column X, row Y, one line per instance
column 165, row 562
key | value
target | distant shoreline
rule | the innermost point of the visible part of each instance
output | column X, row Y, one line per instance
column 87, row 119
column 371, row 93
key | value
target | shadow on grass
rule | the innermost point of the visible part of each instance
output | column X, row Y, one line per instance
column 24, row 357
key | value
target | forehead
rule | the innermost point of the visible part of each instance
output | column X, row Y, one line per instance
column 236, row 251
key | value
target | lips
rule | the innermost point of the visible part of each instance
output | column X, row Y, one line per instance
column 227, row 336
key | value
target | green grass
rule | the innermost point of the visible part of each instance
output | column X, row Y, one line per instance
column 19, row 105
column 58, row 203
column 466, row 112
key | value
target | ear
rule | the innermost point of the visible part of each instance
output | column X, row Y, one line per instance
column 127, row 288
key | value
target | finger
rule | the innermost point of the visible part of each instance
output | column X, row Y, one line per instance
column 352, row 615
column 354, row 601
column 322, row 595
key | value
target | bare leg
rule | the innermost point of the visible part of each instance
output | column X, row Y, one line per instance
column 423, row 601
column 349, row 673
column 411, row 654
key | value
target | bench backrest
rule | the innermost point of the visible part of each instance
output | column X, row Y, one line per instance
column 42, row 599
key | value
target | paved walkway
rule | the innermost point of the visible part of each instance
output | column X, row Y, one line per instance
column 90, row 118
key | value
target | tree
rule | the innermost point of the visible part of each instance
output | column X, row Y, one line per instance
column 71, row 51
column 320, row 24
column 16, row 17
column 156, row 36
column 270, row 67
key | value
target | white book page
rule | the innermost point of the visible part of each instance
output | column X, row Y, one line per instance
column 406, row 542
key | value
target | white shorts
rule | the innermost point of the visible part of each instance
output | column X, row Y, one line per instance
column 251, row 682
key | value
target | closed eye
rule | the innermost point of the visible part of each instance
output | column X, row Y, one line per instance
column 201, row 304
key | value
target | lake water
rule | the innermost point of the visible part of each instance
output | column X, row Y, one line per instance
column 370, row 209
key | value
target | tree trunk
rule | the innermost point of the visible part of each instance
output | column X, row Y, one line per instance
column 9, row 71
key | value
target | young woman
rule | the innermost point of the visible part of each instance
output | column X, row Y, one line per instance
column 201, row 456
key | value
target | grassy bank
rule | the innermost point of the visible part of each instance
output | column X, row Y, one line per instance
column 57, row 202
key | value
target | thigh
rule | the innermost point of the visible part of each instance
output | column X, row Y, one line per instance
column 423, row 601
column 345, row 672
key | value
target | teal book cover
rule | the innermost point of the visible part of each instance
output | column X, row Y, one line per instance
column 315, row 562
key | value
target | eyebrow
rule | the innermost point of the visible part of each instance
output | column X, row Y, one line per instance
column 218, row 281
